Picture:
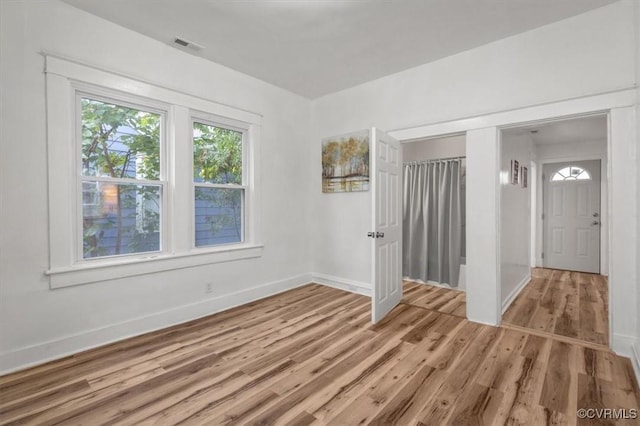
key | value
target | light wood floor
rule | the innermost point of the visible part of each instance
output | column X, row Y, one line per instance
column 443, row 300
column 310, row 356
column 570, row 304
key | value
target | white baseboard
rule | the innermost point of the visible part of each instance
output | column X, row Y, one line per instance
column 623, row 345
column 635, row 360
column 629, row 347
column 25, row 357
column 514, row 293
column 342, row 283
column 432, row 283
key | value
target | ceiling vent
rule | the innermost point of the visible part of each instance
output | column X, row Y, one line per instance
column 188, row 44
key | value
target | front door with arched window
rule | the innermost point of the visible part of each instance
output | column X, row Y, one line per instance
column 571, row 221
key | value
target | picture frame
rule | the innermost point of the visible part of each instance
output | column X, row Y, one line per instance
column 514, row 172
column 345, row 163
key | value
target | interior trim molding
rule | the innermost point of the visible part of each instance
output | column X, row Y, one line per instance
column 635, row 359
column 554, row 109
column 345, row 284
column 40, row 353
column 623, row 345
column 514, row 293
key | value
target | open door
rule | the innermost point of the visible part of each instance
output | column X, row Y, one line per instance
column 386, row 166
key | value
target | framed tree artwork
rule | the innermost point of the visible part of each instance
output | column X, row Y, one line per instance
column 345, row 163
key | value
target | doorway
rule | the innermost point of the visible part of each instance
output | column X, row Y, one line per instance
column 434, row 223
column 551, row 275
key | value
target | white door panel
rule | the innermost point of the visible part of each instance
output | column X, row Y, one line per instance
column 572, row 216
column 386, row 165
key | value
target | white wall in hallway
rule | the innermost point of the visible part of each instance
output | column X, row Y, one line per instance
column 515, row 216
column 430, row 149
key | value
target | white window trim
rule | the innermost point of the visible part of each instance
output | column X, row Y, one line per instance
column 65, row 78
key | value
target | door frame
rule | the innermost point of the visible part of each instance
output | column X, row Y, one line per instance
column 538, row 237
column 483, row 138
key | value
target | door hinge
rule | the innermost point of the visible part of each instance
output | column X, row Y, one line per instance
column 542, row 216
column 543, row 255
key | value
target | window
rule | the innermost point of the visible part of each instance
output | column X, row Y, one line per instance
column 120, row 178
column 144, row 179
column 571, row 173
column 219, row 184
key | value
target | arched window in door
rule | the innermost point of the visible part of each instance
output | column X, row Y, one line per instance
column 571, row 173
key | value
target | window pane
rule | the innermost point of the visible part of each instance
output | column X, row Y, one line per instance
column 571, row 173
column 218, row 216
column 217, row 154
column 119, row 142
column 120, row 218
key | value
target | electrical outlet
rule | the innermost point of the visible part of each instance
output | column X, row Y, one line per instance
column 208, row 288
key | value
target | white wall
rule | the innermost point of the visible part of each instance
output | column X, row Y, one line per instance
column 636, row 352
column 483, row 203
column 37, row 323
column 585, row 55
column 430, row 149
column 515, row 217
column 572, row 151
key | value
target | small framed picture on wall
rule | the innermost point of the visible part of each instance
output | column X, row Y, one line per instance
column 515, row 171
column 524, row 176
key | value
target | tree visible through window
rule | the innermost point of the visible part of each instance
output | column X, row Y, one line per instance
column 218, row 185
column 571, row 173
column 121, row 187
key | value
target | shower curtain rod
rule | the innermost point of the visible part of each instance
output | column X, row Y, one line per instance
column 435, row 160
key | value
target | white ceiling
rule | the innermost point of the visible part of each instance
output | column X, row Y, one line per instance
column 316, row 47
column 575, row 130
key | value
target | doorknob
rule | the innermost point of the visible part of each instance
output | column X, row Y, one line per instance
column 379, row 234
column 595, row 222
column 596, row 215
column 371, row 234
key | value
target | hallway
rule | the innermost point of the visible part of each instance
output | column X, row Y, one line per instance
column 564, row 303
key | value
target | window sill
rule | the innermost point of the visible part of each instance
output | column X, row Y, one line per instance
column 91, row 272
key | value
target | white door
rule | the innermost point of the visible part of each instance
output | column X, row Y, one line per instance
column 386, row 181
column 572, row 216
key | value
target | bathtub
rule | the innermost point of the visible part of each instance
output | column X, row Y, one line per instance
column 462, row 278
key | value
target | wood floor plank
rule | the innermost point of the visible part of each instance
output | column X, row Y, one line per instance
column 569, row 304
column 557, row 392
column 311, row 356
column 477, row 405
column 462, row 373
column 526, row 382
column 334, row 398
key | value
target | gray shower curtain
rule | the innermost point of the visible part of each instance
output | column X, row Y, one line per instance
column 433, row 220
